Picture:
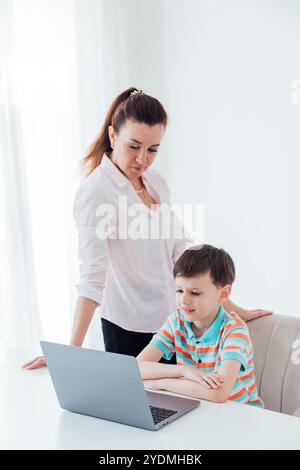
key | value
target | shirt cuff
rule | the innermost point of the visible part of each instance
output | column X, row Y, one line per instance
column 90, row 293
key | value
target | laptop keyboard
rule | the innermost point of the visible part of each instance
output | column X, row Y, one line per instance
column 159, row 414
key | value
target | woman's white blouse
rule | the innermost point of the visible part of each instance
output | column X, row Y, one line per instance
column 131, row 278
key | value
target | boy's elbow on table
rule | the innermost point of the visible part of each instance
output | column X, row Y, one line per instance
column 217, row 396
column 221, row 396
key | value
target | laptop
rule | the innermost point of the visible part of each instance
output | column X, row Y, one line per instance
column 109, row 386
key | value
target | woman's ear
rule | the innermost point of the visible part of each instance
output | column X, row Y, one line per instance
column 111, row 134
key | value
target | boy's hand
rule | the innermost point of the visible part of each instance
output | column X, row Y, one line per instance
column 212, row 380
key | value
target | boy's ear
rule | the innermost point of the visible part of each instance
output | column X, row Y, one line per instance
column 225, row 292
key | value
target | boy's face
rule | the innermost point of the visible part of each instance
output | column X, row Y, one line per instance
column 198, row 298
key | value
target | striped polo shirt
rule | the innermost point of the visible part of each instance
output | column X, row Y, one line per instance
column 227, row 338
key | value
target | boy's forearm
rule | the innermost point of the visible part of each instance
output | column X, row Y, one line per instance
column 190, row 388
column 155, row 370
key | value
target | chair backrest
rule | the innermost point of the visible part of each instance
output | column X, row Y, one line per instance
column 277, row 361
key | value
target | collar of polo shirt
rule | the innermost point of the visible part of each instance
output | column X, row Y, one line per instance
column 211, row 335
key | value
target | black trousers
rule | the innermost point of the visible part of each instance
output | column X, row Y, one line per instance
column 118, row 340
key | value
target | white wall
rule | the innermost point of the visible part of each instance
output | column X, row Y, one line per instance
column 242, row 149
column 226, row 70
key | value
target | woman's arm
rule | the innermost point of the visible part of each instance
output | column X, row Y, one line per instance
column 84, row 312
column 245, row 314
column 85, row 309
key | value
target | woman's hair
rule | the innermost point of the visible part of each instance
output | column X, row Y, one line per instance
column 206, row 258
column 140, row 107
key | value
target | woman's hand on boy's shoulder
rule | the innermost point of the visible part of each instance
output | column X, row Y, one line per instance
column 249, row 315
column 212, row 380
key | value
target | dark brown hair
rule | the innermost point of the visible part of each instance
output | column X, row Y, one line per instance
column 206, row 258
column 140, row 107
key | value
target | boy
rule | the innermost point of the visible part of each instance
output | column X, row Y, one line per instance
column 213, row 349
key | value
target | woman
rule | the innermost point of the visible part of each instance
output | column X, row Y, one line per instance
column 130, row 276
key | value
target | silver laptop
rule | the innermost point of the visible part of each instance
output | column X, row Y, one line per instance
column 109, row 386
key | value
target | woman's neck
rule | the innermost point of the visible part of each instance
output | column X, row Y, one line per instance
column 137, row 183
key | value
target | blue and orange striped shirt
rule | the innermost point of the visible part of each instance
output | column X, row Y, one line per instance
column 227, row 338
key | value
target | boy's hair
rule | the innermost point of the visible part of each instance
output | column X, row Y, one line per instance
column 206, row 258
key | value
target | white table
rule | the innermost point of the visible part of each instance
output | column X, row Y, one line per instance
column 30, row 418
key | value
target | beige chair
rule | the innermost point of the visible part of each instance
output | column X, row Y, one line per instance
column 277, row 372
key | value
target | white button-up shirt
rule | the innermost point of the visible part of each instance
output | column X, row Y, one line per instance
column 131, row 278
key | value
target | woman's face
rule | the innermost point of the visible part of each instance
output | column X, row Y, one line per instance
column 135, row 147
